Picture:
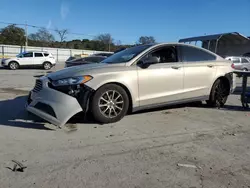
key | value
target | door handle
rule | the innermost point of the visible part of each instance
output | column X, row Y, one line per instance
column 175, row 67
column 210, row 66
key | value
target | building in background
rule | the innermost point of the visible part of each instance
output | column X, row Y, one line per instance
column 224, row 44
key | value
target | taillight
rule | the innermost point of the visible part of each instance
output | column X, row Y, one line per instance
column 232, row 66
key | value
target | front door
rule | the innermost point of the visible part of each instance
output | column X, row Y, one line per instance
column 26, row 59
column 160, row 82
column 199, row 71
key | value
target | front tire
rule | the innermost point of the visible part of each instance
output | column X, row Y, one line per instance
column 219, row 94
column 13, row 65
column 47, row 65
column 109, row 104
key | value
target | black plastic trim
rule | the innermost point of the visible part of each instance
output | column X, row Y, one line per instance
column 202, row 98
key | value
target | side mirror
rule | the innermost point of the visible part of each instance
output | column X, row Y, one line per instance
column 151, row 60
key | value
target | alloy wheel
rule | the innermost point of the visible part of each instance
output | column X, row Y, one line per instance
column 47, row 66
column 13, row 66
column 221, row 93
column 111, row 103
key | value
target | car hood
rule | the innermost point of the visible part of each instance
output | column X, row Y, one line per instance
column 79, row 70
column 13, row 58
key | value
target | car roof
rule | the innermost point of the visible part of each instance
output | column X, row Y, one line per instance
column 183, row 44
column 37, row 52
column 104, row 53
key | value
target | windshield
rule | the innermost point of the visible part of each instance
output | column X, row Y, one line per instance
column 20, row 55
column 126, row 55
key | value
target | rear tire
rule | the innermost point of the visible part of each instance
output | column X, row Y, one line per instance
column 13, row 65
column 47, row 65
column 109, row 104
column 219, row 94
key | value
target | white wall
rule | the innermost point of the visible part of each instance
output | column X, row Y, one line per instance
column 61, row 54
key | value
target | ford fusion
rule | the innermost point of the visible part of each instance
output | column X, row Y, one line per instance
column 133, row 79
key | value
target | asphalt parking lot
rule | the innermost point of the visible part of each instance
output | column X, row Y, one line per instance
column 187, row 146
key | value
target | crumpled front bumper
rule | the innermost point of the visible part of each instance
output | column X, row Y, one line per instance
column 50, row 104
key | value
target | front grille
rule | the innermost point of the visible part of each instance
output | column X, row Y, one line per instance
column 38, row 87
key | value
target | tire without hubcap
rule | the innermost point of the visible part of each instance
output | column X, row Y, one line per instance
column 109, row 104
column 219, row 94
column 13, row 65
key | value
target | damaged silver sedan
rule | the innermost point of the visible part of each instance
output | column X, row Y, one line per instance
column 136, row 78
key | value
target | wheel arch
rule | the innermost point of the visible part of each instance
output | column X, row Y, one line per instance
column 226, row 79
column 126, row 90
column 47, row 62
column 14, row 61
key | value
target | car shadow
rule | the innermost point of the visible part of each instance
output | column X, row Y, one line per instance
column 38, row 76
column 14, row 114
column 193, row 105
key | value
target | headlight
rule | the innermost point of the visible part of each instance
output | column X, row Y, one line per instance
column 72, row 81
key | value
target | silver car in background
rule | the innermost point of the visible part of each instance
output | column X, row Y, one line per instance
column 133, row 79
column 240, row 63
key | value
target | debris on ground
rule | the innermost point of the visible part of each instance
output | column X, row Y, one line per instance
column 228, row 133
column 18, row 166
column 70, row 127
column 188, row 165
column 109, row 135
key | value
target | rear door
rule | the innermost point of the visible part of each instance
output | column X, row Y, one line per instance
column 38, row 59
column 199, row 71
column 245, row 64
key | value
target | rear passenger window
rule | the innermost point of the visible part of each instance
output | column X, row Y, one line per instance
column 243, row 60
column 46, row 54
column 38, row 55
column 192, row 54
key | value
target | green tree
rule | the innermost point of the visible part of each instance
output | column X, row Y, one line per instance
column 146, row 40
column 12, row 35
column 42, row 36
column 105, row 39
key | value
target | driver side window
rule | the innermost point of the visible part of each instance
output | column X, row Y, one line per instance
column 167, row 54
column 28, row 54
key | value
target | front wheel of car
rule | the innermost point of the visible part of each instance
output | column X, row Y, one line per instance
column 219, row 94
column 47, row 65
column 13, row 65
column 109, row 104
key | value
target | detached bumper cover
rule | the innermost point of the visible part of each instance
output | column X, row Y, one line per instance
column 52, row 105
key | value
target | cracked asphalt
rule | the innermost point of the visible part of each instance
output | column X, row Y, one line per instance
column 143, row 150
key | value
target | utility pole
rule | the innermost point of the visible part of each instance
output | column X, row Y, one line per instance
column 26, row 36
